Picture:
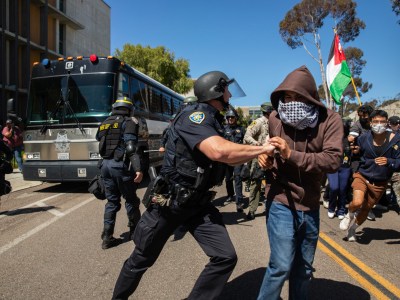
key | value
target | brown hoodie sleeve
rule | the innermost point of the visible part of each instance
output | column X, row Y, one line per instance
column 328, row 158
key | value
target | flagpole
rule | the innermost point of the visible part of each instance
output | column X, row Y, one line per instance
column 355, row 90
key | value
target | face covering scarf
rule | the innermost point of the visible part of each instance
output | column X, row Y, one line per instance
column 378, row 129
column 298, row 114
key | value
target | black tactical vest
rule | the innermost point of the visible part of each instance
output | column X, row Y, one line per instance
column 190, row 168
column 110, row 132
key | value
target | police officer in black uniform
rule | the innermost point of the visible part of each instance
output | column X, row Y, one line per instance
column 194, row 161
column 120, row 167
column 234, row 133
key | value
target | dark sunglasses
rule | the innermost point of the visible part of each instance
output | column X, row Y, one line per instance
column 230, row 117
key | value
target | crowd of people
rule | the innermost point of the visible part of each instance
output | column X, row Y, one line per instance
column 289, row 152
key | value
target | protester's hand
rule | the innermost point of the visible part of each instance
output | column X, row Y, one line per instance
column 265, row 161
column 381, row 161
column 268, row 148
column 138, row 178
column 281, row 145
column 161, row 149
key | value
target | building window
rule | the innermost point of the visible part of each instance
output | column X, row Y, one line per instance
column 61, row 6
column 61, row 39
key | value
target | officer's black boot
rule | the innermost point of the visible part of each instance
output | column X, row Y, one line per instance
column 107, row 237
column 133, row 220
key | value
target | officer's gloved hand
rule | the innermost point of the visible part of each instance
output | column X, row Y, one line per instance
column 138, row 177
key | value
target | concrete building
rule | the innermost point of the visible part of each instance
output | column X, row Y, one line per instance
column 31, row 30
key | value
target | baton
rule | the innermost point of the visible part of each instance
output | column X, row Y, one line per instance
column 146, row 151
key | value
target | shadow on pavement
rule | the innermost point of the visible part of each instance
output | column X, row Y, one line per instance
column 321, row 288
column 248, row 285
column 28, row 210
column 65, row 187
column 370, row 234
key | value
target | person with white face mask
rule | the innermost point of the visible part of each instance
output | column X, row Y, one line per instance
column 380, row 157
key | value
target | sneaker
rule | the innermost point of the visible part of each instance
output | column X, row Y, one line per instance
column 345, row 223
column 229, row 199
column 325, row 203
column 239, row 207
column 251, row 215
column 331, row 215
column 371, row 216
column 351, row 234
column 340, row 217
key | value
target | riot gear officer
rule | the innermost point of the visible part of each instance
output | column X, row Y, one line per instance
column 234, row 133
column 194, row 161
column 120, row 167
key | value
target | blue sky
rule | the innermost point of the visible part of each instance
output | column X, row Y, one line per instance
column 241, row 38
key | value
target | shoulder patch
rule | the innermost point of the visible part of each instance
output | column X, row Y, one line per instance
column 253, row 124
column 197, row 117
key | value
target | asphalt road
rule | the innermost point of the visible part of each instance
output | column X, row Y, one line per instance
column 50, row 248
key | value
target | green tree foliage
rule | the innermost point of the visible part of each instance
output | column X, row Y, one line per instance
column 158, row 63
column 396, row 7
column 242, row 120
column 307, row 17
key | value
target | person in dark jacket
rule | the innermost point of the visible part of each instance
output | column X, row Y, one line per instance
column 308, row 141
column 339, row 181
column 380, row 157
column 234, row 133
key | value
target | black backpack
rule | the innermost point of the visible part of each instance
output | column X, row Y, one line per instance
column 96, row 187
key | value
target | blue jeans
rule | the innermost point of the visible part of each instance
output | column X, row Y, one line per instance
column 293, row 248
column 18, row 157
column 338, row 187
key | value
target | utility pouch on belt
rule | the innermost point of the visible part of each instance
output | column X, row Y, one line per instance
column 156, row 187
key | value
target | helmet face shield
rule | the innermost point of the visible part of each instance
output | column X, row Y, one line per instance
column 235, row 89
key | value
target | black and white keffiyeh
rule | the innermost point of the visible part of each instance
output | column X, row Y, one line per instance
column 298, row 114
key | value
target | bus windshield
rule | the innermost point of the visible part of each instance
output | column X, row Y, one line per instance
column 67, row 99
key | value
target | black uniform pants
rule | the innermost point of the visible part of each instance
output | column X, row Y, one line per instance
column 152, row 232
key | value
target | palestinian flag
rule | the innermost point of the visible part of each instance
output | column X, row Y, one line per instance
column 338, row 74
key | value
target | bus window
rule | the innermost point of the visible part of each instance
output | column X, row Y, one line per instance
column 155, row 101
column 176, row 105
column 123, row 85
column 138, row 94
column 166, row 105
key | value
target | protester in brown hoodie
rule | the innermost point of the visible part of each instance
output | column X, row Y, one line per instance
column 308, row 141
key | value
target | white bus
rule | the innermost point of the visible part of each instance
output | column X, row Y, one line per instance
column 69, row 98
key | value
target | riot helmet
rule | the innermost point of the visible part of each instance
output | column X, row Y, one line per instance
column 212, row 85
column 230, row 113
column 123, row 102
column 190, row 100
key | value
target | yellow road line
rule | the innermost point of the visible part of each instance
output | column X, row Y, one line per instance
column 377, row 293
column 385, row 283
